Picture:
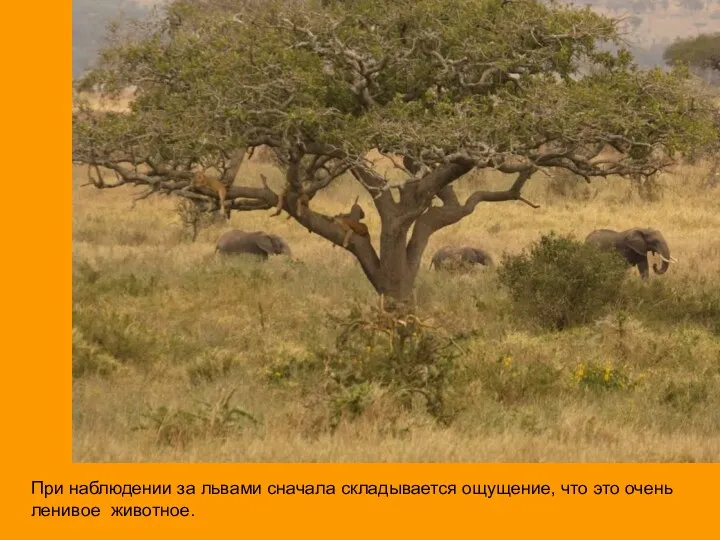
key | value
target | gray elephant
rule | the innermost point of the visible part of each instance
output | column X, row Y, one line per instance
column 634, row 245
column 255, row 243
column 450, row 257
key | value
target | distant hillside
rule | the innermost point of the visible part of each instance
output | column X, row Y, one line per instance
column 90, row 19
column 651, row 25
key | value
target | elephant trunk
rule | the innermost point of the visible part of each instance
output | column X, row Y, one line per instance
column 664, row 252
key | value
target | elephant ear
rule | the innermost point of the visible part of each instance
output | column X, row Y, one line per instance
column 264, row 243
column 279, row 245
column 483, row 257
column 468, row 254
column 635, row 240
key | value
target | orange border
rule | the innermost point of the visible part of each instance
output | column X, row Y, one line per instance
column 37, row 394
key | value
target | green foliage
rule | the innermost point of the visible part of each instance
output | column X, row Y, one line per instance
column 207, row 81
column 177, row 427
column 395, row 354
column 560, row 282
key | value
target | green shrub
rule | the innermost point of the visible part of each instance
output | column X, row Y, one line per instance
column 397, row 355
column 560, row 282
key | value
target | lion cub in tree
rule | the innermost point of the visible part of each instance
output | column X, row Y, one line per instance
column 200, row 180
column 351, row 222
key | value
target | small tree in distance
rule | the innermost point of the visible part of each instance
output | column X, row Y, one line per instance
column 701, row 53
column 448, row 86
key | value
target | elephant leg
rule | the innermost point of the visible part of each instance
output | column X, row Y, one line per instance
column 643, row 269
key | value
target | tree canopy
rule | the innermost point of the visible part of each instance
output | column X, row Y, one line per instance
column 702, row 52
column 450, row 86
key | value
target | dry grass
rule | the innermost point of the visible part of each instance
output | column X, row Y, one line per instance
column 160, row 322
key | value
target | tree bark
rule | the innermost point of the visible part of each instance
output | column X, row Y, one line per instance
column 397, row 276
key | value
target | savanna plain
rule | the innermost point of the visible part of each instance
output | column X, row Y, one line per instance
column 180, row 355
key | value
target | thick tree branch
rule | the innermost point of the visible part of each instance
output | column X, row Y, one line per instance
column 228, row 176
column 438, row 217
column 376, row 186
column 443, row 176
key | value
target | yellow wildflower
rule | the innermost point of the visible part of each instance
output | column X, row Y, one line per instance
column 608, row 371
column 580, row 372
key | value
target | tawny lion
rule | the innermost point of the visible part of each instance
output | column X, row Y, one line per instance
column 351, row 223
column 200, row 180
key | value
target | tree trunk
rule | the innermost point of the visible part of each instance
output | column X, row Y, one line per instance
column 396, row 275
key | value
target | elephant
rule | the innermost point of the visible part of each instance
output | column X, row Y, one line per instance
column 257, row 243
column 634, row 244
column 451, row 257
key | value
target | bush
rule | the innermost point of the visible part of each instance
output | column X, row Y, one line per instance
column 560, row 282
column 389, row 355
column 193, row 218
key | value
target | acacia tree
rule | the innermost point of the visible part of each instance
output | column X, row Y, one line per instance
column 449, row 86
column 701, row 53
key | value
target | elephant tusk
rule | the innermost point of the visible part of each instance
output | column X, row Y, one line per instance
column 670, row 260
